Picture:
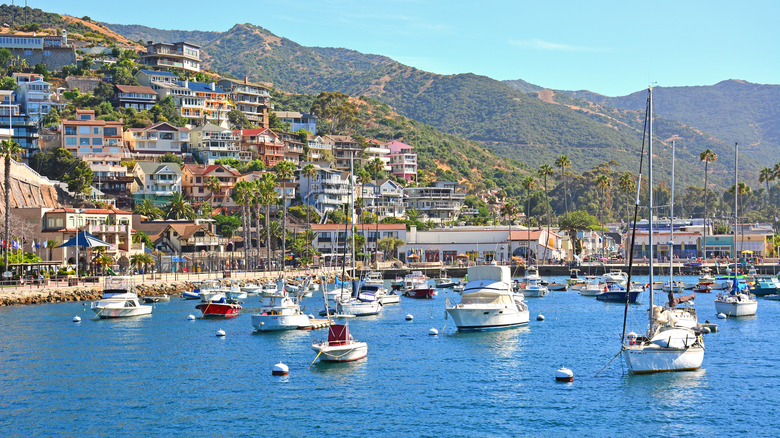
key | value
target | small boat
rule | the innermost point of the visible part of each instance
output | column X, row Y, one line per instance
column 736, row 302
column 279, row 312
column 210, row 290
column 340, row 346
column 773, row 297
column 374, row 278
column 558, row 286
column 532, row 288
column 191, row 294
column 416, row 286
column 443, row 279
column 764, row 286
column 614, row 293
column 119, row 300
column 488, row 301
column 615, row 276
column 252, row 289
column 575, row 282
column 593, row 288
column 359, row 303
column 234, row 291
column 220, row 308
column 381, row 293
column 157, row 299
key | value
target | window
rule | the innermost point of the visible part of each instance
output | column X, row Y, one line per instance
column 109, row 131
column 70, row 130
column 27, row 52
column 97, row 141
column 70, row 141
column 96, row 130
column 47, row 53
column 85, row 117
column 84, row 141
column 83, row 130
column 97, row 150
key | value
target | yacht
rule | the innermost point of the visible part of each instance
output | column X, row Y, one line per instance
column 488, row 302
column 119, row 300
column 532, row 287
column 279, row 311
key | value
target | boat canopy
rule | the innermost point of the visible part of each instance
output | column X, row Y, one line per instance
column 490, row 273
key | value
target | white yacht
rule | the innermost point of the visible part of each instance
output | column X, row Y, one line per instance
column 488, row 302
column 532, row 287
column 593, row 287
column 279, row 311
column 119, row 300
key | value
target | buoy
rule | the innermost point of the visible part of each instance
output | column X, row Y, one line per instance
column 705, row 330
column 190, row 317
column 721, row 316
column 280, row 369
column 311, row 316
column 540, row 317
column 564, row 375
column 76, row 318
column 433, row 332
column 409, row 317
column 220, row 333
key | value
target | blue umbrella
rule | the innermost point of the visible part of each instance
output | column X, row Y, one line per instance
column 84, row 240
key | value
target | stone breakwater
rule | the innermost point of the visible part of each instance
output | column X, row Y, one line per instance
column 47, row 294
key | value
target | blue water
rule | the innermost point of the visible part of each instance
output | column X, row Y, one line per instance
column 163, row 375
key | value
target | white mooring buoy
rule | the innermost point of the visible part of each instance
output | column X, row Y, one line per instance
column 721, row 316
column 76, row 318
column 280, row 369
column 540, row 317
column 409, row 317
column 564, row 375
column 433, row 332
column 220, row 333
column 190, row 317
column 706, row 330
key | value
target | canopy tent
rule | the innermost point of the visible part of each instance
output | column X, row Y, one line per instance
column 462, row 256
column 413, row 256
column 84, row 240
column 747, row 251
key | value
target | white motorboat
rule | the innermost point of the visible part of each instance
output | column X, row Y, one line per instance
column 234, row 291
column 667, row 346
column 674, row 286
column 279, row 311
column 381, row 293
column 488, row 301
column 533, row 288
column 593, row 288
column 532, row 273
column 210, row 290
column 364, row 304
column 119, row 300
column 340, row 346
column 615, row 276
column 575, row 282
column 268, row 288
column 374, row 278
column 252, row 289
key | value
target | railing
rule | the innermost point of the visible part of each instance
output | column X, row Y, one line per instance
column 103, row 228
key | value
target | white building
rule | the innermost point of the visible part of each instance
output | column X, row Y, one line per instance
column 156, row 181
column 212, row 142
column 155, row 140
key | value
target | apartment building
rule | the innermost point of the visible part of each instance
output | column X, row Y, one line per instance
column 319, row 148
column 87, row 136
column 156, row 181
column 15, row 124
column 298, row 120
column 253, row 100
column 195, row 178
column 344, row 148
column 329, row 189
column 139, row 97
column 263, row 143
column 181, row 55
column 210, row 143
column 402, row 161
column 150, row 142
column 440, row 202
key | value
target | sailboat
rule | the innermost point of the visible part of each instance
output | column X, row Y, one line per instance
column 666, row 346
column 737, row 301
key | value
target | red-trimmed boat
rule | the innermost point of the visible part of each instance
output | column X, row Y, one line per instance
column 221, row 308
column 416, row 286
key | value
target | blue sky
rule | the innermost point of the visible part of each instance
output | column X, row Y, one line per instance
column 609, row 47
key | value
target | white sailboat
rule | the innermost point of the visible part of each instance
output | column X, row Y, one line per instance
column 737, row 301
column 666, row 346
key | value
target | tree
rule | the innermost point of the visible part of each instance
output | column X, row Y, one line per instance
column 169, row 157
column 9, row 149
column 285, row 172
column 80, row 178
column 708, row 157
column 179, row 208
column 308, row 171
column 544, row 171
column 766, row 175
column 226, row 225
column 104, row 260
column 564, row 162
column 213, row 185
column 5, row 56
column 603, row 182
column 7, row 83
column 238, row 119
column 576, row 221
column 528, row 184
column 242, row 194
column 266, row 194
column 627, row 185
column 141, row 237
column 335, row 111
column 141, row 261
column 165, row 110
column 148, row 209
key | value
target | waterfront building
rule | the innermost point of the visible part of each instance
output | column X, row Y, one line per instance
column 298, row 120
column 153, row 141
column 182, row 56
column 383, row 198
column 184, row 238
column 253, row 100
column 402, row 162
column 440, row 202
column 329, row 239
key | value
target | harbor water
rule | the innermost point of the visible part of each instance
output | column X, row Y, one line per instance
column 163, row 375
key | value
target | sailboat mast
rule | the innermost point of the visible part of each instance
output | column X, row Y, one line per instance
column 736, row 197
column 650, row 203
column 352, row 206
column 671, row 228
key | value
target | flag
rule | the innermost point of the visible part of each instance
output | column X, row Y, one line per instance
column 45, row 244
column 38, row 245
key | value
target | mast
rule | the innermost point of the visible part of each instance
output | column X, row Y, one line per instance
column 650, row 205
column 352, row 207
column 736, row 198
column 671, row 229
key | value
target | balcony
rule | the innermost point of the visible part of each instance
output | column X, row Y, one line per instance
column 103, row 228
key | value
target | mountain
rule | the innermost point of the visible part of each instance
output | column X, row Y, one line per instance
column 517, row 120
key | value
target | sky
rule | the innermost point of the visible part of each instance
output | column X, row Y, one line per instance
column 609, row 47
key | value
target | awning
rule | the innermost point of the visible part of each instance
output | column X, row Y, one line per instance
column 84, row 240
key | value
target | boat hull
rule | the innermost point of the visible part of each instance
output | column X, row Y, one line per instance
column 267, row 323
column 746, row 308
column 653, row 359
column 189, row 295
column 423, row 293
column 218, row 310
column 121, row 312
column 618, row 296
column 390, row 299
column 481, row 319
column 344, row 352
column 534, row 292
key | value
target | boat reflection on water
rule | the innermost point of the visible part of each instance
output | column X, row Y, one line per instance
column 501, row 343
column 673, row 389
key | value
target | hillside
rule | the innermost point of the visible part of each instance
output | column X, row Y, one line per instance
column 518, row 120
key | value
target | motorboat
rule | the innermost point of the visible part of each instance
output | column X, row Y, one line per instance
column 234, row 291
column 557, row 286
column 380, row 293
column 340, row 346
column 531, row 273
column 359, row 303
column 738, row 301
column 164, row 298
column 615, row 293
column 374, row 278
column 210, row 290
column 416, row 286
column 268, row 288
column 615, row 276
column 575, row 282
column 532, row 287
column 593, row 288
column 765, row 286
column 279, row 311
column 444, row 281
column 488, row 301
column 193, row 294
column 674, row 286
column 219, row 308
column 119, row 300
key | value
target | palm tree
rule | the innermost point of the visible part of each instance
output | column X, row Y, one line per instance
column 603, row 182
column 242, row 195
column 213, row 185
column 529, row 184
column 626, row 184
column 141, row 260
column 148, row 209
column 509, row 210
column 104, row 260
column 376, row 166
column 9, row 150
column 708, row 157
column 179, row 208
column 766, row 175
column 309, row 172
column 265, row 195
column 285, row 172
column 544, row 171
column 563, row 162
